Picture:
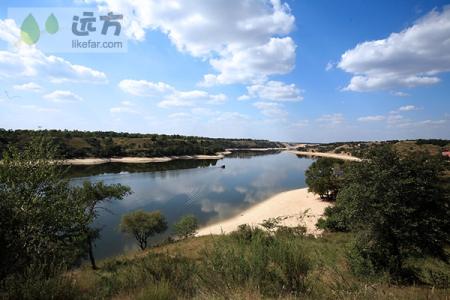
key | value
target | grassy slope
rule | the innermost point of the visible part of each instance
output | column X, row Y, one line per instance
column 127, row 277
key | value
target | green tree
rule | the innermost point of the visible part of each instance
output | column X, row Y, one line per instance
column 398, row 207
column 39, row 223
column 143, row 225
column 323, row 177
column 44, row 221
column 186, row 227
column 91, row 196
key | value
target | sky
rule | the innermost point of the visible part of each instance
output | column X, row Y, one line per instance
column 295, row 70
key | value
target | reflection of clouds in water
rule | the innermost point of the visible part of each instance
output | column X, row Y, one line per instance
column 212, row 194
column 222, row 210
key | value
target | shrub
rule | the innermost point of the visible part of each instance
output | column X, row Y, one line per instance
column 186, row 227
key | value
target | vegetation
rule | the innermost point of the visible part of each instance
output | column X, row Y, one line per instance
column 186, row 227
column 324, row 177
column 399, row 209
column 80, row 144
column 45, row 222
column 92, row 196
column 143, row 225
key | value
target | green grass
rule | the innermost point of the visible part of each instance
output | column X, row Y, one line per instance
column 244, row 265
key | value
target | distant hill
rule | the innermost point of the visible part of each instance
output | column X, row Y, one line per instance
column 83, row 144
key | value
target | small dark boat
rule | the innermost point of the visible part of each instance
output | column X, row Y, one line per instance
column 222, row 166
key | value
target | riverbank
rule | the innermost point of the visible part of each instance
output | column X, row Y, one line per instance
column 145, row 160
column 290, row 206
column 140, row 160
column 326, row 154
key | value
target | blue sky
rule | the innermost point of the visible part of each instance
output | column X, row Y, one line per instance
column 283, row 70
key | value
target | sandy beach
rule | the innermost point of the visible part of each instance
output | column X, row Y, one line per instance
column 289, row 205
column 139, row 160
column 326, row 154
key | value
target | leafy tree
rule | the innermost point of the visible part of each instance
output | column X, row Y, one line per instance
column 398, row 208
column 143, row 225
column 91, row 196
column 44, row 221
column 186, row 227
column 323, row 177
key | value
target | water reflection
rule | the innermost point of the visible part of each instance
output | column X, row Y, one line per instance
column 194, row 187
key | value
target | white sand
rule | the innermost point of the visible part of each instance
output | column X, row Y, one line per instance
column 290, row 206
column 326, row 154
column 140, row 160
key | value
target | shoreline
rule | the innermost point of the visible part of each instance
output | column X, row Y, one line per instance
column 326, row 154
column 144, row 160
column 290, row 206
column 217, row 156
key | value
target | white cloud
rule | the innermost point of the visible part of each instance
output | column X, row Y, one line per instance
column 63, row 97
column 145, row 88
column 243, row 40
column 400, row 94
column 169, row 96
column 410, row 58
column 29, row 87
column 331, row 119
column 179, row 115
column 271, row 109
column 253, row 64
column 371, row 118
column 329, row 66
column 273, row 91
column 29, row 62
column 125, row 107
column 408, row 108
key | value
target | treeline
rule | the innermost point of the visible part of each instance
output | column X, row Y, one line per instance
column 82, row 144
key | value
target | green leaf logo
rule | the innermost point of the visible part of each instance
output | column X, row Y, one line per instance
column 30, row 32
column 51, row 25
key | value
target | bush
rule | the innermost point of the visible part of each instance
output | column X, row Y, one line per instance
column 186, row 227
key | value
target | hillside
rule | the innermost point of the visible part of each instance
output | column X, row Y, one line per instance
column 84, row 144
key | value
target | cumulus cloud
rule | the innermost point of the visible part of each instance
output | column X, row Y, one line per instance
column 253, row 64
column 271, row 109
column 171, row 97
column 372, row 118
column 412, row 57
column 29, row 87
column 273, row 91
column 29, row 62
column 63, row 97
column 243, row 40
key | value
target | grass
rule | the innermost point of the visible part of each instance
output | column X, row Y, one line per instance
column 248, row 264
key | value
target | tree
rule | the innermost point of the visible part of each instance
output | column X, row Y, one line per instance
column 143, row 225
column 398, row 207
column 44, row 221
column 39, row 224
column 323, row 177
column 90, row 196
column 186, row 227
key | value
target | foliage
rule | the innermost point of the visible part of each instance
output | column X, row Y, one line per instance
column 398, row 208
column 90, row 196
column 186, row 227
column 323, row 177
column 40, row 219
column 142, row 225
column 45, row 222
